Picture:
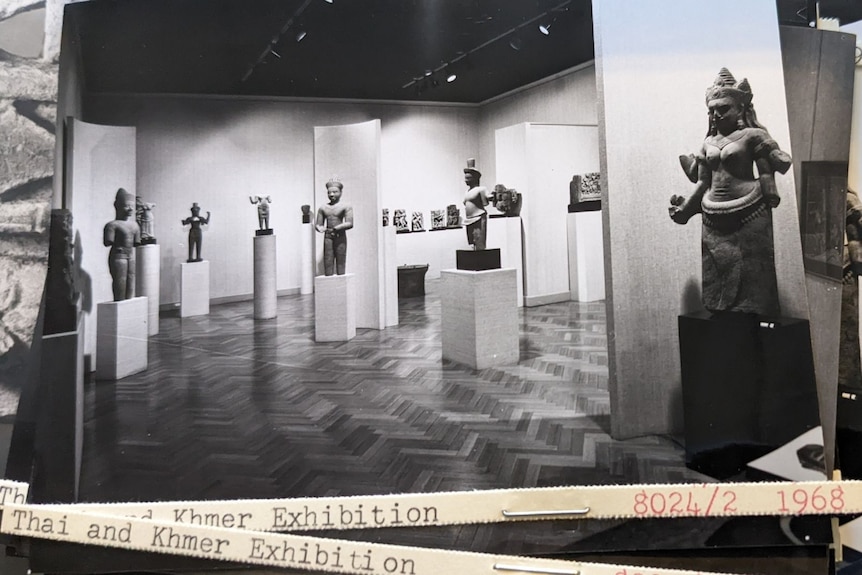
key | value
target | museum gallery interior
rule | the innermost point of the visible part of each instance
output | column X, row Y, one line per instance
column 317, row 248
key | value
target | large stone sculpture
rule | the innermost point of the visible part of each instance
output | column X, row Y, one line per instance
column 262, row 213
column 475, row 200
column 195, row 232
column 146, row 219
column 122, row 235
column 736, row 205
column 333, row 220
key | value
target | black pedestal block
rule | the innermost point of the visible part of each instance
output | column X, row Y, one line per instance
column 748, row 387
column 477, row 260
column 411, row 280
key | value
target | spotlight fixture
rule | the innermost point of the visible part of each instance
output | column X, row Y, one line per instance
column 301, row 35
column 329, row 1
column 274, row 53
column 451, row 77
column 515, row 43
column 545, row 28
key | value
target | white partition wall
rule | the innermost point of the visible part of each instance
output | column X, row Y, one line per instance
column 352, row 153
column 99, row 160
column 653, row 68
column 539, row 161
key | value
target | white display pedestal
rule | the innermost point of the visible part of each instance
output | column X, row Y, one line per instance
column 505, row 233
column 480, row 317
column 390, row 276
column 147, row 277
column 306, row 277
column 334, row 308
column 586, row 256
column 121, row 338
column 265, row 275
column 194, row 288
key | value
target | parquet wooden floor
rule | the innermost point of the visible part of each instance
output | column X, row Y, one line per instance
column 231, row 408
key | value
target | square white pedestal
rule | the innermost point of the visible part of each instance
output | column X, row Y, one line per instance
column 586, row 256
column 480, row 317
column 121, row 338
column 194, row 288
column 334, row 308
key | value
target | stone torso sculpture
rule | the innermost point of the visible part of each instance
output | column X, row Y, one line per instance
column 195, row 232
column 262, row 210
column 736, row 206
column 146, row 219
column 333, row 220
column 475, row 200
column 122, row 235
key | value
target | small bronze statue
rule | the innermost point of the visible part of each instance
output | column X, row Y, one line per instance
column 122, row 235
column 385, row 217
column 736, row 205
column 145, row 217
column 306, row 214
column 475, row 200
column 195, row 232
column 333, row 220
column 262, row 210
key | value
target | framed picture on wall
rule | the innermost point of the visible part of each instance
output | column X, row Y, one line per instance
column 823, row 214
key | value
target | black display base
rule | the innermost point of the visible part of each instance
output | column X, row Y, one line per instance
column 477, row 260
column 747, row 387
column 848, row 437
column 587, row 206
column 148, row 241
column 411, row 280
column 268, row 232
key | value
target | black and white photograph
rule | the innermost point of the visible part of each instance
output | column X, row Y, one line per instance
column 682, row 328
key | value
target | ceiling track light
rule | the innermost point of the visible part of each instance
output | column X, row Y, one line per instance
column 300, row 36
column 513, row 36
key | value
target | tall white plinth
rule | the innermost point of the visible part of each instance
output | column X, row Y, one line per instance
column 265, row 274
column 586, row 256
column 121, row 338
column 147, row 279
column 334, row 308
column 506, row 234
column 194, row 288
column 480, row 317
column 390, row 276
column 306, row 277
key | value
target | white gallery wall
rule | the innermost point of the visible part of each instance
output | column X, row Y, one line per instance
column 218, row 151
column 100, row 160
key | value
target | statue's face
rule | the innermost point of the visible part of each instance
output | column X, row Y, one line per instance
column 725, row 114
column 334, row 194
column 471, row 179
column 125, row 208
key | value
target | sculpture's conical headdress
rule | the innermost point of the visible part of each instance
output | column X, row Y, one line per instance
column 725, row 85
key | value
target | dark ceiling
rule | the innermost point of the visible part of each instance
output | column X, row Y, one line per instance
column 368, row 49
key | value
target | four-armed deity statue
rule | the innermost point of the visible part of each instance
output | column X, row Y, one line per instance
column 735, row 202
column 195, row 232
column 262, row 212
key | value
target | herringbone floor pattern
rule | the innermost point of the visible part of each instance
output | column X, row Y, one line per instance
column 231, row 407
